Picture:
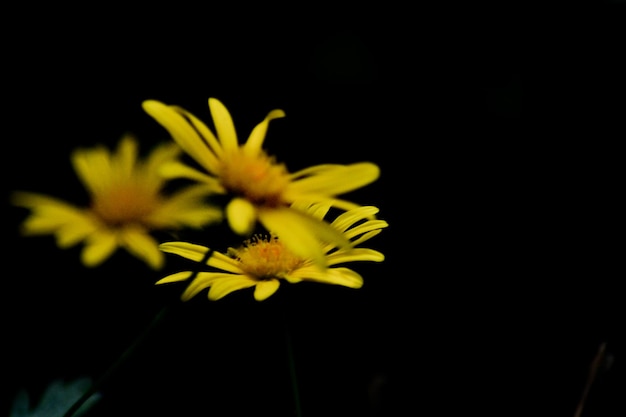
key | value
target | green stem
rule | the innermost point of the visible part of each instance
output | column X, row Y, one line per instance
column 128, row 352
column 292, row 373
column 123, row 358
column 593, row 371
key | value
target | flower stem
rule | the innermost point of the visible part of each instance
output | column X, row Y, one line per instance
column 292, row 373
column 128, row 352
column 593, row 371
column 111, row 370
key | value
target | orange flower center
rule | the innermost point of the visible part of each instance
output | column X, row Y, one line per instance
column 257, row 178
column 265, row 258
column 124, row 204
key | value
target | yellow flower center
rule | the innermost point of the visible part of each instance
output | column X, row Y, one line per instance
column 257, row 178
column 124, row 204
column 265, row 258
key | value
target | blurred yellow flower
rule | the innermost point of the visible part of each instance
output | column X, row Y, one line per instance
column 127, row 204
column 261, row 189
column 263, row 261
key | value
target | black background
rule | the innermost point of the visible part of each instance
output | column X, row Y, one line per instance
column 497, row 132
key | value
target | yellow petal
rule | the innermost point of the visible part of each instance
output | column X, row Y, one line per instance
column 34, row 200
column 354, row 255
column 186, row 250
column 364, row 236
column 177, row 169
column 336, row 276
column 223, row 125
column 322, row 230
column 369, row 226
column 176, row 277
column 241, row 216
column 74, row 232
column 291, row 279
column 204, row 131
column 296, row 233
column 297, row 200
column 181, row 131
column 202, row 281
column 226, row 263
column 265, row 289
column 126, row 157
column 222, row 287
column 347, row 219
column 50, row 215
column 93, row 168
column 143, row 246
column 313, row 170
column 162, row 154
column 340, row 179
column 197, row 253
column 255, row 140
column 98, row 248
column 316, row 209
column 186, row 207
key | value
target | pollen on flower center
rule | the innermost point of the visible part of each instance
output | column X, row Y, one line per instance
column 265, row 258
column 256, row 177
column 124, row 204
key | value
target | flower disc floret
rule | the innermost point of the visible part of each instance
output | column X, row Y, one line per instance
column 257, row 178
column 265, row 257
column 124, row 204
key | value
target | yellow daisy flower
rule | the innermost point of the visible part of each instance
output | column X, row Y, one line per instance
column 262, row 189
column 127, row 204
column 261, row 262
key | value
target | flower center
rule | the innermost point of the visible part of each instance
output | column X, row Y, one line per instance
column 265, row 257
column 124, row 204
column 255, row 177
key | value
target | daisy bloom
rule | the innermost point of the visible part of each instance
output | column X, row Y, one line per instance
column 127, row 204
column 263, row 261
column 261, row 189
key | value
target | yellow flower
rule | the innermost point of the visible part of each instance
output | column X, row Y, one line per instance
column 127, row 204
column 261, row 189
column 263, row 261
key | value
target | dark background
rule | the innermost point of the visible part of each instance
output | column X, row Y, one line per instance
column 497, row 131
